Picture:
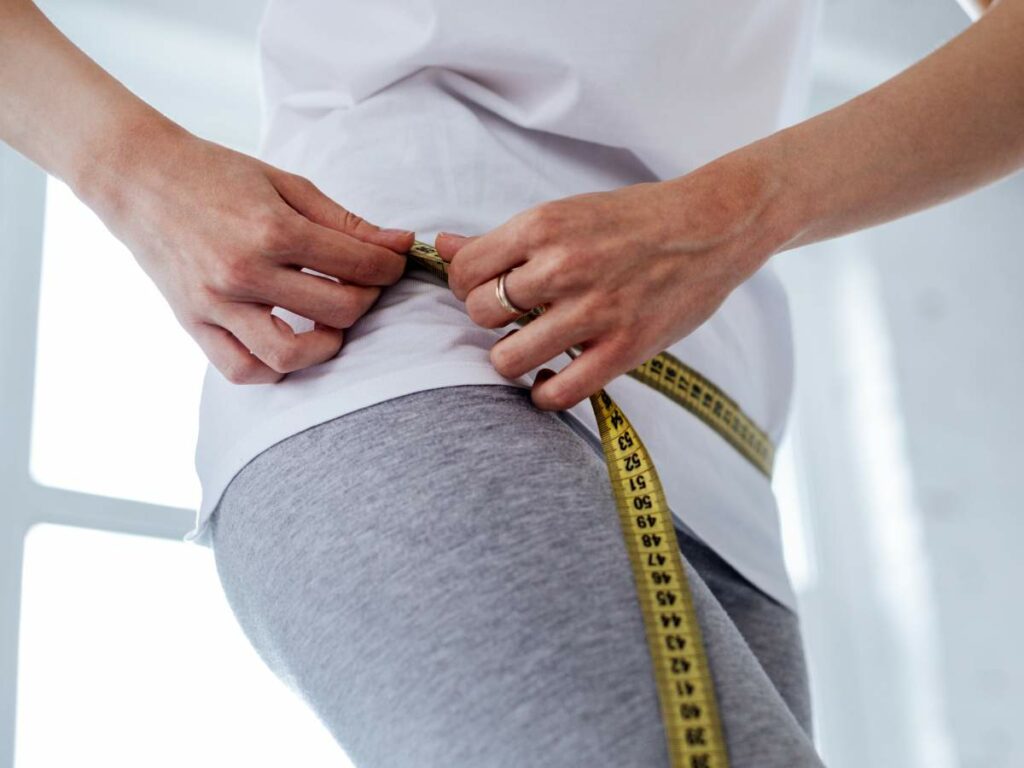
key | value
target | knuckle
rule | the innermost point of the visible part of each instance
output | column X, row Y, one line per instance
column 557, row 275
column 455, row 278
column 233, row 373
column 351, row 303
column 544, row 223
column 330, row 346
column 345, row 313
column 617, row 346
column 283, row 358
column 475, row 308
column 304, row 184
column 546, row 398
column 481, row 306
column 232, row 273
column 345, row 319
column 596, row 309
column 365, row 300
column 241, row 371
column 562, row 401
column 352, row 222
column 382, row 267
column 573, row 259
column 273, row 233
column 392, row 267
column 506, row 361
column 583, row 321
column 557, row 396
column 188, row 318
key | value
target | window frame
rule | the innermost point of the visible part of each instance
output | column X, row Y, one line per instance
column 23, row 501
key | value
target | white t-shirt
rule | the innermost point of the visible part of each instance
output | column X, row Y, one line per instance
column 454, row 115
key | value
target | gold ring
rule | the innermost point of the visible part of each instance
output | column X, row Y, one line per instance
column 503, row 297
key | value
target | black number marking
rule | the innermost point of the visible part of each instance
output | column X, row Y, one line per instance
column 642, row 502
column 675, row 642
column 695, row 737
column 689, row 711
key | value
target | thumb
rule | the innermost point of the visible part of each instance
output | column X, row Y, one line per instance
column 304, row 196
column 449, row 243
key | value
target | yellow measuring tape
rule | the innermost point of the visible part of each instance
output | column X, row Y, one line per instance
column 686, row 692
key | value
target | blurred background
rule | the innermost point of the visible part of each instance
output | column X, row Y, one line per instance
column 900, row 480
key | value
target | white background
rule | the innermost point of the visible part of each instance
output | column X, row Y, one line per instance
column 901, row 486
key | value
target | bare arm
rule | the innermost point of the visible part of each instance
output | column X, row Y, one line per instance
column 947, row 125
column 57, row 106
column 224, row 236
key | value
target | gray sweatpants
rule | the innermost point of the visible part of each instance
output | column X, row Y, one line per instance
column 442, row 578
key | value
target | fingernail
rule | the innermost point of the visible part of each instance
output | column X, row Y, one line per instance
column 390, row 231
column 452, row 236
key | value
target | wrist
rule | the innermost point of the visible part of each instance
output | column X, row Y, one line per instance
column 783, row 209
column 111, row 165
column 745, row 202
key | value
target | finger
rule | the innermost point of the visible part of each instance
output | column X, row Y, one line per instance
column 229, row 356
column 526, row 287
column 320, row 298
column 274, row 342
column 448, row 244
column 485, row 257
column 334, row 253
column 538, row 342
column 306, row 198
column 585, row 375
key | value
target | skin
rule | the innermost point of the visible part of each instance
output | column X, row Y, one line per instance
column 949, row 124
column 226, row 237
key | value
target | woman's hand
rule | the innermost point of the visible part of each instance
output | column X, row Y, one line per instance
column 624, row 274
column 627, row 273
column 225, row 237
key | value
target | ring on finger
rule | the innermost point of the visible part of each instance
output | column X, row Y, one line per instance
column 503, row 298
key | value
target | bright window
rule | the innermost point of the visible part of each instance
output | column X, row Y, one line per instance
column 130, row 657
column 117, row 379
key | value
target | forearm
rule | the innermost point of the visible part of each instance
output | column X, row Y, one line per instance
column 947, row 125
column 59, row 108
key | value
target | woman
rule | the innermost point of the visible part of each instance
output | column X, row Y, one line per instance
column 411, row 520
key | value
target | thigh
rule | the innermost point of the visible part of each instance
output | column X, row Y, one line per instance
column 442, row 578
column 770, row 630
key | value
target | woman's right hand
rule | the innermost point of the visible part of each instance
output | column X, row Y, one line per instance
column 225, row 238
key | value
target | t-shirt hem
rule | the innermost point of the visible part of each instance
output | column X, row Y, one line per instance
column 219, row 471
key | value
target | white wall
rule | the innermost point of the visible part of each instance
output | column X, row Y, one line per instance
column 905, row 429
column 949, row 308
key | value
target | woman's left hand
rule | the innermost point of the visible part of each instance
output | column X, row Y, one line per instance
column 624, row 274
